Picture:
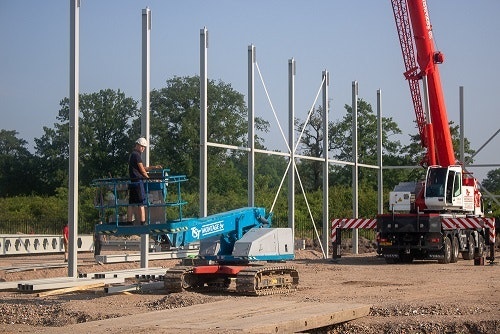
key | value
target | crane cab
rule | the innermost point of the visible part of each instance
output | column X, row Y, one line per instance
column 448, row 189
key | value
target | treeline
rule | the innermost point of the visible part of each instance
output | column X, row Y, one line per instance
column 34, row 185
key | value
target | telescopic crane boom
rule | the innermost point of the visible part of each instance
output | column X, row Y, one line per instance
column 421, row 60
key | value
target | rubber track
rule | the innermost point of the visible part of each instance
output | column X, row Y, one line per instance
column 174, row 278
column 247, row 278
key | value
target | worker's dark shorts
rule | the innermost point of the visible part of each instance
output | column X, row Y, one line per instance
column 137, row 195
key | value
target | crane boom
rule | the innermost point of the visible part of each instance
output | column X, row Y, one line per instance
column 421, row 59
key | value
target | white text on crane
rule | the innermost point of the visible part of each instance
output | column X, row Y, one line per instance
column 208, row 229
column 427, row 19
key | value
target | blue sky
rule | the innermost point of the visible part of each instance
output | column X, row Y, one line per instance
column 352, row 39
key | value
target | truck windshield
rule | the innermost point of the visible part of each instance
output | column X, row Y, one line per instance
column 436, row 181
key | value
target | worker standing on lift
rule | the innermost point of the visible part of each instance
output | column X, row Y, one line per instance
column 137, row 173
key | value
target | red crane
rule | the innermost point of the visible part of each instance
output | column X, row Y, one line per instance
column 421, row 60
column 421, row 63
column 442, row 216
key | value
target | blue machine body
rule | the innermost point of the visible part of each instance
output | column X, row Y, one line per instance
column 164, row 199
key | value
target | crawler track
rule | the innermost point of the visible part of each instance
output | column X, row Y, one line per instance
column 267, row 280
column 179, row 278
column 251, row 281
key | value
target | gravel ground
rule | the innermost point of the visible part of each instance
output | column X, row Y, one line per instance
column 423, row 297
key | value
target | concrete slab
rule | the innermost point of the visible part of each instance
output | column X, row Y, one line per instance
column 173, row 254
column 250, row 315
column 23, row 244
column 63, row 282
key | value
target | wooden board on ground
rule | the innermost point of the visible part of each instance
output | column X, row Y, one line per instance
column 71, row 289
column 251, row 315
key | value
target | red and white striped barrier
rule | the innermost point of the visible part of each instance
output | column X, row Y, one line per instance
column 476, row 222
column 448, row 223
column 346, row 223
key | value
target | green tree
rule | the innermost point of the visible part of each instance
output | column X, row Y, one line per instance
column 492, row 181
column 175, row 125
column 17, row 166
column 106, row 134
column 492, row 184
column 341, row 143
column 312, row 145
column 269, row 171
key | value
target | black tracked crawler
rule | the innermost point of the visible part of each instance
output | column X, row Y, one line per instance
column 255, row 280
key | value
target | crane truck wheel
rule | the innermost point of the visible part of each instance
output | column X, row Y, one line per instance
column 480, row 247
column 391, row 260
column 446, row 251
column 454, row 249
column 406, row 258
column 469, row 253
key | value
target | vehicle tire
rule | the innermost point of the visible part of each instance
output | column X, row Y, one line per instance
column 406, row 258
column 446, row 251
column 469, row 254
column 480, row 247
column 454, row 249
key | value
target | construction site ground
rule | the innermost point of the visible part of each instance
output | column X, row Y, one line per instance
column 423, row 297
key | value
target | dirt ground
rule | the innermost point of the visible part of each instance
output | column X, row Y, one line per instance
column 423, row 297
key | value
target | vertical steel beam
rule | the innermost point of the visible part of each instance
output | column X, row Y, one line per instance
column 146, row 47
column 74, row 78
column 326, row 222
column 291, row 142
column 462, row 130
column 251, row 126
column 203, row 121
column 145, row 117
column 380, row 177
column 355, row 168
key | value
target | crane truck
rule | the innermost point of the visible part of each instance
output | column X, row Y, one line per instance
column 238, row 249
column 441, row 216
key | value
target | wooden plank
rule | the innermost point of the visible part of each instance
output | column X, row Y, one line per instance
column 71, row 289
column 250, row 315
column 121, row 288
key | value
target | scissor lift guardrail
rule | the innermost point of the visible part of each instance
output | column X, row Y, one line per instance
column 163, row 192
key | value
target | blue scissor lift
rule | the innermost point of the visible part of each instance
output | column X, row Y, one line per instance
column 229, row 241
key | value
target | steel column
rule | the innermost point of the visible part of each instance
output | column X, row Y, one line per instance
column 251, row 126
column 355, row 167
column 74, row 78
column 462, row 130
column 326, row 224
column 145, row 117
column 291, row 143
column 379, row 153
column 203, row 122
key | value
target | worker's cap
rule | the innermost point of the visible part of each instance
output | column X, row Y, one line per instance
column 142, row 141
